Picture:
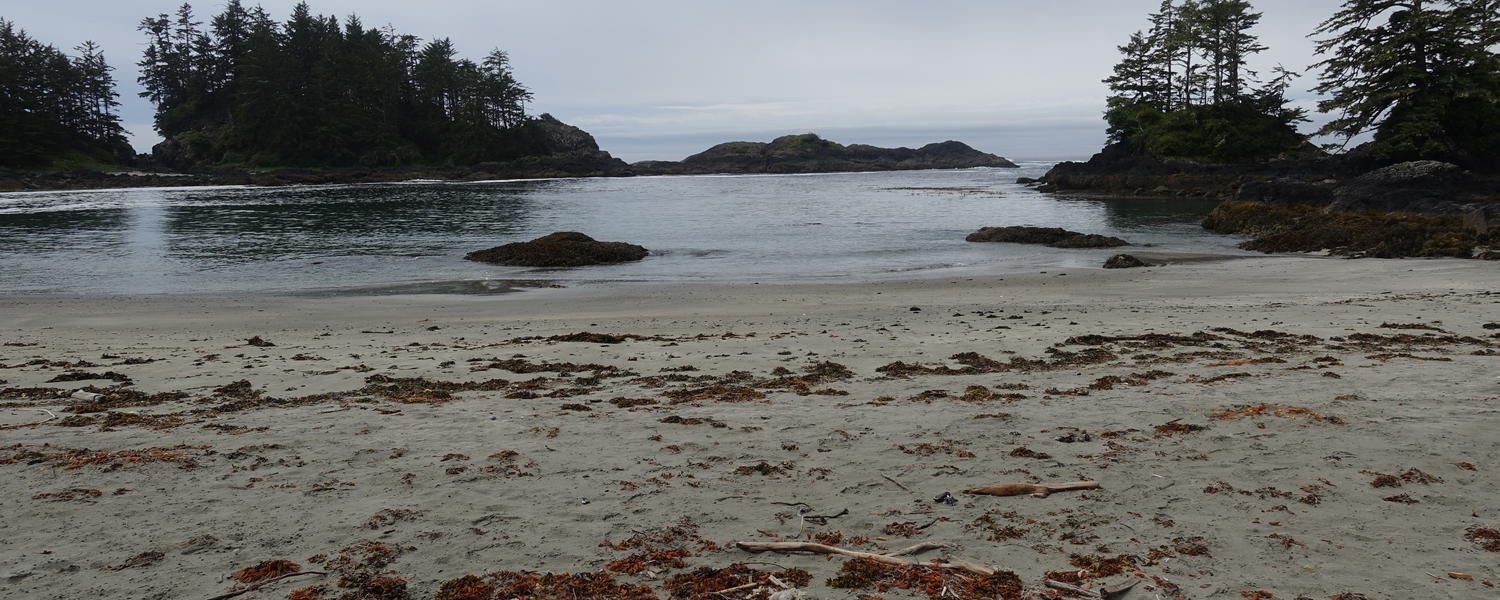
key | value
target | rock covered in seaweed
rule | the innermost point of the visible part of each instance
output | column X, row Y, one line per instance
column 1055, row 237
column 561, row 249
column 1124, row 261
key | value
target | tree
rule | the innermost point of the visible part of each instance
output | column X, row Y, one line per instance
column 1182, row 88
column 1415, row 72
column 312, row 91
column 54, row 107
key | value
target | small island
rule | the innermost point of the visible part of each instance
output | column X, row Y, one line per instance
column 808, row 153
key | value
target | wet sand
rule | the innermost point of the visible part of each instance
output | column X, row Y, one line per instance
column 1237, row 414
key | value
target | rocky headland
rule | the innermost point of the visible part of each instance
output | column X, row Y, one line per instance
column 559, row 150
column 808, row 153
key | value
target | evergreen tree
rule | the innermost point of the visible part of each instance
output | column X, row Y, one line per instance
column 55, row 107
column 1420, row 74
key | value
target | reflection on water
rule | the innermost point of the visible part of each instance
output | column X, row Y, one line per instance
column 733, row 228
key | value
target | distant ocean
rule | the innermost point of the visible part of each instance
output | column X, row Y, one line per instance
column 412, row 236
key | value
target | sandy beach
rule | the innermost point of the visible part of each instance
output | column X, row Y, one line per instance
column 1278, row 427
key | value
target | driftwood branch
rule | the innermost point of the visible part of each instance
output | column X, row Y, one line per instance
column 880, row 558
column 262, row 584
column 898, row 484
column 918, row 549
column 50, row 416
column 1039, row 490
column 1104, row 593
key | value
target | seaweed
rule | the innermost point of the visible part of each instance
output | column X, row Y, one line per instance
column 1487, row 538
column 265, row 570
column 863, row 573
column 707, row 581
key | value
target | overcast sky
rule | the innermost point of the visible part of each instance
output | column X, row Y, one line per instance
column 663, row 79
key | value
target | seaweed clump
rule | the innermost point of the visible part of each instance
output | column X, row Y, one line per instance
column 863, row 573
column 1303, row 228
column 265, row 570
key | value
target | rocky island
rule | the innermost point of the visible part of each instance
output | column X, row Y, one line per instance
column 808, row 153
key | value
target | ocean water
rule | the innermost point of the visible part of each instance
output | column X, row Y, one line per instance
column 411, row 237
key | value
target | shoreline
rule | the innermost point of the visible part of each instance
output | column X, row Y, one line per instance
column 331, row 443
column 99, row 181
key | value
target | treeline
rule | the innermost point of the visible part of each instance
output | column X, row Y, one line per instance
column 55, row 107
column 311, row 91
column 1422, row 76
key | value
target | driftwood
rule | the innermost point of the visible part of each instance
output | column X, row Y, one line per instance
column 1038, row 490
column 880, row 558
column 50, row 416
column 1104, row 593
column 228, row 595
column 898, row 484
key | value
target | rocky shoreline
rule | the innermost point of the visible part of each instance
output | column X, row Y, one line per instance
column 572, row 153
column 1344, row 205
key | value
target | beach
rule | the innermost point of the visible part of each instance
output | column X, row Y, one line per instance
column 1295, row 425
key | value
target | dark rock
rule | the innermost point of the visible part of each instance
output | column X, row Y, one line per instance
column 1302, row 228
column 1285, row 191
column 808, row 153
column 1481, row 220
column 1055, row 237
column 1426, row 187
column 561, row 249
column 1025, row 180
column 1123, row 261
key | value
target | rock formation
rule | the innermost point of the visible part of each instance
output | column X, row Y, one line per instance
column 808, row 153
column 561, row 249
column 1055, row 237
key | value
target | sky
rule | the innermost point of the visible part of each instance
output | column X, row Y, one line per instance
column 662, row 79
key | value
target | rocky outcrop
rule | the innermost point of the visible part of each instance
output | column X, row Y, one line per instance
column 1304, row 228
column 1055, row 237
column 1129, row 170
column 808, row 153
column 561, row 249
column 1124, row 261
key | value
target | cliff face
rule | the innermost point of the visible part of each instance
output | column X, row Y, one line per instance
column 808, row 153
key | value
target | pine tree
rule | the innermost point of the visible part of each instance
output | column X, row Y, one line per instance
column 53, row 106
column 1417, row 73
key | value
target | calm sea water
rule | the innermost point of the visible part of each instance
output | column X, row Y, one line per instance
column 407, row 237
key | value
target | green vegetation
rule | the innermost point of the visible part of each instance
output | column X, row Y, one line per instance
column 1182, row 88
column 309, row 92
column 56, row 112
column 1423, row 75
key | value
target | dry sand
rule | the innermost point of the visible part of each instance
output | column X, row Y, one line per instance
column 1276, row 498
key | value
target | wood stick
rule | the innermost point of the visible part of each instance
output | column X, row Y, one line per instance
column 1068, row 587
column 918, row 549
column 898, row 484
column 816, row 548
column 740, row 587
column 50, row 416
column 257, row 586
column 1041, row 490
